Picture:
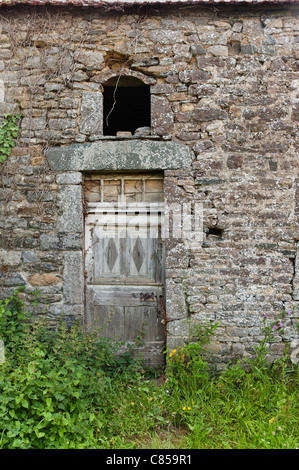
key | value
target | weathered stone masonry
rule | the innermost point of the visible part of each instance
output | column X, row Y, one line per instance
column 224, row 88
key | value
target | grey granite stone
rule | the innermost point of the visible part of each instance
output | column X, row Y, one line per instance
column 71, row 211
column 91, row 121
column 73, row 279
column 120, row 155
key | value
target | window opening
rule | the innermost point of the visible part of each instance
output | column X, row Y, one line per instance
column 215, row 232
column 126, row 106
column 129, row 188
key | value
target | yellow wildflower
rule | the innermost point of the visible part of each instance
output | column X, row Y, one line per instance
column 271, row 420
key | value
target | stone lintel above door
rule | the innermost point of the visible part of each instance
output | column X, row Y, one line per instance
column 120, row 155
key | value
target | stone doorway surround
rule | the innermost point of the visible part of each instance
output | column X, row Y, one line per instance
column 70, row 163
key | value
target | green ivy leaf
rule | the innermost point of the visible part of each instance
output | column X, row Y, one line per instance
column 8, row 131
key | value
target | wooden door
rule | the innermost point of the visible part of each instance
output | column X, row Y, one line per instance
column 125, row 261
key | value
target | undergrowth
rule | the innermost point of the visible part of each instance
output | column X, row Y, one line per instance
column 65, row 387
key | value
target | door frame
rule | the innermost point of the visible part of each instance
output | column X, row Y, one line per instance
column 70, row 163
column 120, row 219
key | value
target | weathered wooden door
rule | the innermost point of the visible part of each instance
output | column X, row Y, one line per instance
column 125, row 261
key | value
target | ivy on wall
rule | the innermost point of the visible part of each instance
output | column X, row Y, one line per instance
column 8, row 132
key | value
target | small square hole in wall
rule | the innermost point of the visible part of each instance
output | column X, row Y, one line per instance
column 214, row 232
column 126, row 106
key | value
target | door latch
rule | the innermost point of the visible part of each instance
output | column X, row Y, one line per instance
column 147, row 296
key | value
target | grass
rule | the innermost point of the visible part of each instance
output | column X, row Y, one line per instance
column 67, row 389
column 172, row 438
column 257, row 415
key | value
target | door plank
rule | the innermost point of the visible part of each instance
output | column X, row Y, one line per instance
column 128, row 323
column 129, row 296
column 109, row 320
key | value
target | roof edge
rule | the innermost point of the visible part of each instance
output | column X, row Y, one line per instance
column 122, row 4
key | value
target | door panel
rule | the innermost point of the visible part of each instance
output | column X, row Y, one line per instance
column 125, row 263
column 123, row 314
column 126, row 259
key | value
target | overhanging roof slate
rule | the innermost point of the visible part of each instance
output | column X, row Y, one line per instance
column 117, row 4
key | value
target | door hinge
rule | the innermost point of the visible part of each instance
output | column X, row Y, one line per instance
column 165, row 320
column 147, row 296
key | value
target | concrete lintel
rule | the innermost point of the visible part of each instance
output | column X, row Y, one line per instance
column 120, row 155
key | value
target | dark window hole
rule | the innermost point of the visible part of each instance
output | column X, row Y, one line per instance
column 126, row 108
column 215, row 232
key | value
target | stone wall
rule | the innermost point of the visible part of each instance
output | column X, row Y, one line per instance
column 224, row 82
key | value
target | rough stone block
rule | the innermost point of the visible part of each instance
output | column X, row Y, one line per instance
column 10, row 258
column 177, row 256
column 30, row 257
column 73, row 241
column 166, row 36
column 61, row 124
column 70, row 205
column 162, row 115
column 209, row 114
column 73, row 279
column 248, row 48
column 90, row 58
column 34, row 124
column 218, row 50
column 50, row 242
column 91, row 121
column 252, row 26
column 178, row 328
column 234, row 161
column 69, row 178
column 2, row 91
column 120, row 155
column 11, row 280
column 175, row 300
column 197, row 49
column 43, row 279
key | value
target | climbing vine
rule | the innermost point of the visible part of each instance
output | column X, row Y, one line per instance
column 8, row 132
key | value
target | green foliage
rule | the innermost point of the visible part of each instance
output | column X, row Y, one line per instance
column 54, row 382
column 67, row 388
column 13, row 323
column 8, row 132
column 185, row 365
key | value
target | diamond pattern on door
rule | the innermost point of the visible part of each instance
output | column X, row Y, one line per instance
column 111, row 253
column 138, row 254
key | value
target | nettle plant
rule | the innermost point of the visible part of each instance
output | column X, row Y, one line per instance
column 9, row 130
